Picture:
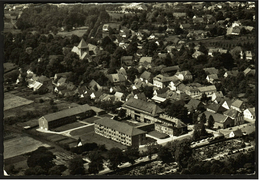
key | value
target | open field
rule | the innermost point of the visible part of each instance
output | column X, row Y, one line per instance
column 116, row 16
column 82, row 131
column 12, row 101
column 20, row 145
column 78, row 32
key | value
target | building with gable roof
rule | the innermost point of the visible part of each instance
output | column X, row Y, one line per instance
column 141, row 110
column 146, row 76
column 238, row 105
column 119, row 132
column 116, row 79
column 249, row 114
column 235, row 115
column 221, row 121
column 208, row 90
column 63, row 117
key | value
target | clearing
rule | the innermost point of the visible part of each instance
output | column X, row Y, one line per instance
column 12, row 101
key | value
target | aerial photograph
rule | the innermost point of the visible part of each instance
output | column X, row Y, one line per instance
column 130, row 90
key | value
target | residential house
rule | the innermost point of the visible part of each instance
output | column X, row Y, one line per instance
column 170, row 70
column 163, row 81
column 66, row 116
column 249, row 114
column 60, row 75
column 83, row 91
column 238, row 105
column 125, row 32
column 174, row 84
column 193, row 104
column 213, row 78
column 211, row 51
column 185, row 26
column 217, row 96
column 178, row 15
column 196, row 54
column 169, row 48
column 225, row 102
column 158, row 91
column 117, row 79
column 146, row 76
column 141, row 110
column 236, row 133
column 95, row 94
column 127, row 60
column 235, row 115
column 249, row 71
column 198, row 20
column 232, row 73
column 106, row 97
column 221, row 121
column 119, row 132
column 192, row 91
column 140, row 96
column 159, row 98
column 146, row 62
column 119, row 96
column 184, row 75
column 208, row 90
column 94, row 86
column 215, row 108
column 211, row 70
column 248, row 55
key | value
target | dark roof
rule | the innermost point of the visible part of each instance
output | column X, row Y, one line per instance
column 216, row 107
column 146, row 75
column 194, row 103
column 170, row 69
column 67, row 112
column 238, row 132
column 82, row 44
column 211, row 70
column 127, row 58
column 220, row 118
column 116, row 78
column 232, row 113
column 119, row 126
column 143, row 106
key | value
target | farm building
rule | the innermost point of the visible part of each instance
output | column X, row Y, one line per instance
column 64, row 117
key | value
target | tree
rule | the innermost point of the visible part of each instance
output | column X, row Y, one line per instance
column 57, row 170
column 164, row 154
column 203, row 118
column 148, row 91
column 115, row 156
column 76, row 166
column 37, row 170
column 131, row 74
column 211, row 122
column 131, row 154
column 96, row 162
column 41, row 157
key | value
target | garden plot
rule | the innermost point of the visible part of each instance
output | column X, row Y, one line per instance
column 12, row 101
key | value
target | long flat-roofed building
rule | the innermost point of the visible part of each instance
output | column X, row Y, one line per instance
column 64, row 117
column 119, row 132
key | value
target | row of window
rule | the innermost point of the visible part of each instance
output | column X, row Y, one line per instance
column 125, row 141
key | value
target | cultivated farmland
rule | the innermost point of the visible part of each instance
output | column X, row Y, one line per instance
column 12, row 101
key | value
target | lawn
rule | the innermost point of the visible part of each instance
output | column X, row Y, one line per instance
column 82, row 131
column 12, row 101
column 20, row 145
column 90, row 120
column 78, row 32
column 68, row 127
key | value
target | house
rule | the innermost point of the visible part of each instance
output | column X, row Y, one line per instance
column 141, row 110
column 225, row 102
column 198, row 20
column 66, row 116
column 213, row 78
column 248, row 55
column 211, row 70
column 146, row 62
column 185, row 26
column 238, row 105
column 83, row 91
column 146, row 76
column 208, row 90
column 106, row 97
column 60, row 75
column 160, row 90
column 119, row 96
column 211, row 51
column 184, row 75
column 196, row 54
column 119, row 132
column 93, row 85
column 140, row 96
column 170, row 70
column 95, row 94
column 235, row 115
column 174, row 84
column 193, row 104
column 159, row 98
column 215, row 108
column 249, row 114
column 192, row 91
column 127, row 60
column 179, row 15
column 221, row 121
column 169, row 48
column 116, row 79
column 249, row 71
column 216, row 95
column 125, row 32
column 231, row 73
column 236, row 133
column 163, row 81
